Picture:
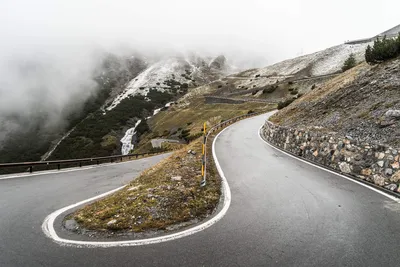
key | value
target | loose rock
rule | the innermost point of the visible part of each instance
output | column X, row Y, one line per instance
column 176, row 178
column 391, row 187
column 379, row 180
column 344, row 167
column 396, row 177
column 393, row 113
column 112, row 222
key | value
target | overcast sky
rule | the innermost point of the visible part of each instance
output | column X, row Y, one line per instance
column 49, row 48
column 274, row 30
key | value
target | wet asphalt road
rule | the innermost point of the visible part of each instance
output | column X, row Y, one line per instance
column 283, row 213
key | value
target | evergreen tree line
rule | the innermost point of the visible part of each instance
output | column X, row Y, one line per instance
column 383, row 49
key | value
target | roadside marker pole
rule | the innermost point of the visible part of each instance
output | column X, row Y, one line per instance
column 203, row 163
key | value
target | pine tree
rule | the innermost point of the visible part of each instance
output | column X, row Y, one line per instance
column 368, row 55
column 349, row 63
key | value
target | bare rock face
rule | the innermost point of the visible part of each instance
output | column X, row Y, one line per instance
column 218, row 62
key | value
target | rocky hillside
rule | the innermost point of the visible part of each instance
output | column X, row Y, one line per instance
column 123, row 116
column 286, row 79
column 362, row 103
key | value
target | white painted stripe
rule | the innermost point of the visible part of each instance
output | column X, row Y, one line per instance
column 332, row 172
column 48, row 223
column 74, row 169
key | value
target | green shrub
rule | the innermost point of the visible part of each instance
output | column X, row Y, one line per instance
column 285, row 103
column 270, row 89
column 383, row 50
column 349, row 63
column 193, row 137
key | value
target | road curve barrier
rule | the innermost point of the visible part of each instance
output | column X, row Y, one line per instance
column 8, row 168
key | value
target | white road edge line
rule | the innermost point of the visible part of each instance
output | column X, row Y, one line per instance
column 74, row 169
column 321, row 168
column 48, row 223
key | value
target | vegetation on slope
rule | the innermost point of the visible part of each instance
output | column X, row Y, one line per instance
column 382, row 50
column 88, row 138
column 185, row 121
column 349, row 63
column 162, row 196
column 35, row 140
column 356, row 104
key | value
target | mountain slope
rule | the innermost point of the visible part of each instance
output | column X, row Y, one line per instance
column 112, row 129
column 35, row 136
column 174, row 71
column 363, row 103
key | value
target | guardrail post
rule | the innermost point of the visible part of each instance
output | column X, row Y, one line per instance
column 59, row 166
column 31, row 169
column 80, row 163
column 98, row 162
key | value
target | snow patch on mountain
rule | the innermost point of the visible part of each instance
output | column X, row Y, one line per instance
column 320, row 63
column 155, row 112
column 153, row 77
column 193, row 70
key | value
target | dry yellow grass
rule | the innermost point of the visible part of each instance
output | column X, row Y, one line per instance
column 198, row 112
column 319, row 93
column 162, row 196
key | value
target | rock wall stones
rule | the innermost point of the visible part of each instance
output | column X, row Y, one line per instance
column 378, row 164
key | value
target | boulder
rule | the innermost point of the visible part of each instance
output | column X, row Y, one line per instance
column 344, row 167
column 391, row 187
column 393, row 113
column 71, row 225
column 366, row 172
column 395, row 177
column 388, row 171
column 378, row 180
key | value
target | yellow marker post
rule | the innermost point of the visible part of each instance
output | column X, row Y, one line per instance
column 203, row 164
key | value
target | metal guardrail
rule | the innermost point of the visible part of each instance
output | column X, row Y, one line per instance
column 212, row 130
column 78, row 162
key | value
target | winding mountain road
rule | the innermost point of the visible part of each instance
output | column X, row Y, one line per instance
column 283, row 213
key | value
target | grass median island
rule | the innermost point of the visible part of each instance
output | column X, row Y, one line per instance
column 163, row 196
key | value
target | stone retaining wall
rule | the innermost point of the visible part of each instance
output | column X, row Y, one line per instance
column 378, row 164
